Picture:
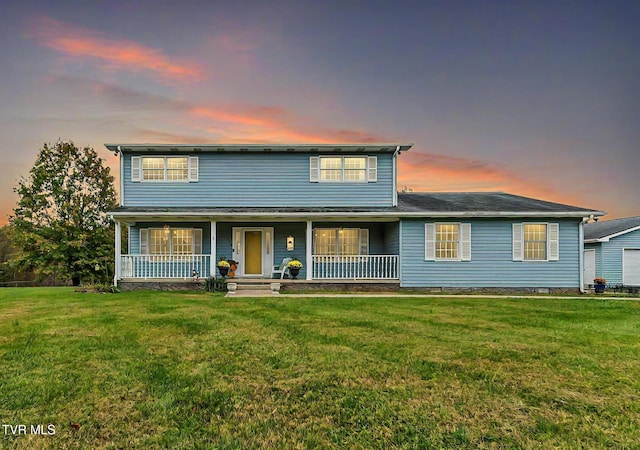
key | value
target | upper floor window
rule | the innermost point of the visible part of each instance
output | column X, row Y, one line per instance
column 343, row 169
column 164, row 168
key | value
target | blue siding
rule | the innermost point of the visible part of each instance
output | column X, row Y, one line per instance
column 260, row 180
column 612, row 255
column 491, row 262
column 391, row 237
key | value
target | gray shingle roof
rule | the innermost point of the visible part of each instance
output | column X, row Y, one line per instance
column 422, row 204
column 604, row 228
column 482, row 202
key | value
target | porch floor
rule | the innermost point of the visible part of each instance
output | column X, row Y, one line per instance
column 242, row 280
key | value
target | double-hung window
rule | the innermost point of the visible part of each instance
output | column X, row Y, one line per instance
column 536, row 242
column 343, row 169
column 447, row 242
column 340, row 241
column 170, row 241
column 164, row 168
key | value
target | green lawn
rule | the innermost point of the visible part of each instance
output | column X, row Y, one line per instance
column 177, row 370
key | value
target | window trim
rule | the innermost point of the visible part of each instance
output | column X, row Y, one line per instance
column 370, row 169
column 194, row 244
column 464, row 239
column 459, row 242
column 549, row 242
column 363, row 234
column 137, row 169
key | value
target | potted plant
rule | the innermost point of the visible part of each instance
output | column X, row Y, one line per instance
column 223, row 267
column 294, row 267
column 599, row 285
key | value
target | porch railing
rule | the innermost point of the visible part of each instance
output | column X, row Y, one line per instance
column 164, row 266
column 365, row 267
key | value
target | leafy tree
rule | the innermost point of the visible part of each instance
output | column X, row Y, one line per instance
column 7, row 252
column 60, row 221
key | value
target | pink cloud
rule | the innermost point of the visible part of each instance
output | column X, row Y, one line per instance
column 270, row 124
column 118, row 54
column 440, row 173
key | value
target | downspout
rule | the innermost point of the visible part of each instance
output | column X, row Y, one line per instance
column 121, row 178
column 581, row 255
column 394, row 201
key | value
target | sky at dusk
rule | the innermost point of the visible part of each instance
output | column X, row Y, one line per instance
column 535, row 98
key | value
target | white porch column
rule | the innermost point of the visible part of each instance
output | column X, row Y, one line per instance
column 309, row 248
column 214, row 232
column 118, row 245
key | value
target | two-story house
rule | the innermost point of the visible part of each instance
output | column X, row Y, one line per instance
column 336, row 208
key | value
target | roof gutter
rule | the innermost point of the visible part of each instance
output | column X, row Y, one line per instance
column 118, row 152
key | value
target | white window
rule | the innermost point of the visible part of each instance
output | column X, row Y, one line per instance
column 343, row 169
column 164, row 168
column 340, row 241
column 447, row 242
column 535, row 242
column 170, row 241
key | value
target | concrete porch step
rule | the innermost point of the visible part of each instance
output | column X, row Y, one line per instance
column 238, row 287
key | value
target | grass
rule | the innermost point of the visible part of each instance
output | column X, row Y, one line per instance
column 191, row 370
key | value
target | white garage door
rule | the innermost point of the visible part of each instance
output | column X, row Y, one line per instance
column 631, row 267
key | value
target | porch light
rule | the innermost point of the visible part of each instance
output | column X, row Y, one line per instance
column 290, row 243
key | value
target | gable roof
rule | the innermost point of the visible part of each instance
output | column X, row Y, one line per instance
column 365, row 147
column 487, row 204
column 422, row 204
column 607, row 229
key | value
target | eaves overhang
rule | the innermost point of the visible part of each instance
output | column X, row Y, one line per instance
column 281, row 215
column 365, row 147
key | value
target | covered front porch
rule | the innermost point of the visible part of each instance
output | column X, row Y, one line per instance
column 170, row 248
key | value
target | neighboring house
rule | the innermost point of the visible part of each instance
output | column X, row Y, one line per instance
column 336, row 208
column 612, row 251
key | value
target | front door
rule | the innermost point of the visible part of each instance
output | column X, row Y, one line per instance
column 253, row 249
column 589, row 266
column 253, row 252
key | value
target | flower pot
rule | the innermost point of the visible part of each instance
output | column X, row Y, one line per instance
column 598, row 288
column 223, row 271
column 294, row 271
